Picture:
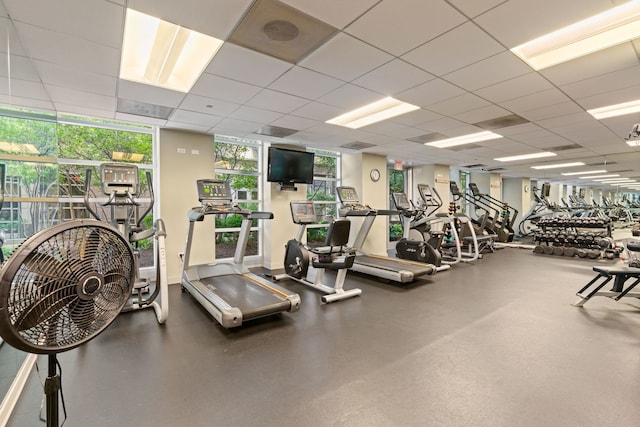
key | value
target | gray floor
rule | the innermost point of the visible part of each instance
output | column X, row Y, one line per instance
column 495, row 343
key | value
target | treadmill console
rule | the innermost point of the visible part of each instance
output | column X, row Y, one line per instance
column 214, row 192
column 401, row 201
column 455, row 190
column 303, row 212
column 474, row 190
column 119, row 178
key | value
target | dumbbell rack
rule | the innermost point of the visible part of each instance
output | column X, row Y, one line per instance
column 569, row 236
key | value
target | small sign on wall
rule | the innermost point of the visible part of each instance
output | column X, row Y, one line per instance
column 442, row 180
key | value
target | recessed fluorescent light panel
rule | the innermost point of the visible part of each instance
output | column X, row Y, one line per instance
column 159, row 53
column 375, row 112
column 558, row 165
column 615, row 110
column 611, row 175
column 525, row 156
column 612, row 179
column 583, row 172
column 464, row 139
column 615, row 26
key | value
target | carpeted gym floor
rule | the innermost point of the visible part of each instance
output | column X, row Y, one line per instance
column 493, row 343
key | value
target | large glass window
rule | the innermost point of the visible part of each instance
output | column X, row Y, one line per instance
column 326, row 171
column 238, row 161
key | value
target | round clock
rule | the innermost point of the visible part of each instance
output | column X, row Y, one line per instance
column 374, row 175
column 526, row 188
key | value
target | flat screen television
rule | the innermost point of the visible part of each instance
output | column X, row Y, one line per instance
column 289, row 166
column 546, row 189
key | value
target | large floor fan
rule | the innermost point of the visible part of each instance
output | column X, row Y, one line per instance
column 62, row 287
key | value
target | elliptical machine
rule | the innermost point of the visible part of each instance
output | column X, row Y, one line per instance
column 121, row 183
column 307, row 265
column 420, row 245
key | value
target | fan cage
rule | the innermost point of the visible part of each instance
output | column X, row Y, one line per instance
column 64, row 285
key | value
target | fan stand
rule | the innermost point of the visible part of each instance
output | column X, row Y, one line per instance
column 52, row 391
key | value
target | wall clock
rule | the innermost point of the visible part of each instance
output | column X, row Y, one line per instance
column 374, row 175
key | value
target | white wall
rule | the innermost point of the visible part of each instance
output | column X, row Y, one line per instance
column 177, row 185
column 513, row 190
column 355, row 173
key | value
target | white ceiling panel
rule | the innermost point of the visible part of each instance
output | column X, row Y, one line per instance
column 481, row 114
column 71, row 51
column 59, row 76
column 244, row 65
column 224, row 89
column 460, row 47
column 7, row 30
column 256, row 114
column 550, row 111
column 442, row 125
column 630, row 93
column 393, row 77
column 305, row 83
column 317, row 111
column 429, row 93
column 473, row 8
column 337, row 13
column 603, row 83
column 97, row 21
column 397, row 26
column 216, row 18
column 294, row 122
column 503, row 66
column 148, row 94
column 417, row 117
column 345, row 58
column 66, row 96
column 19, row 66
column 187, row 126
column 194, row 118
column 459, row 104
column 238, row 125
column 276, row 101
column 617, row 58
column 517, row 21
column 29, row 103
column 206, row 105
column 350, row 97
column 515, row 88
column 535, row 101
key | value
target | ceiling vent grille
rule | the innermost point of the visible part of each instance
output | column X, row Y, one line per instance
column 276, row 131
column 501, row 122
column 427, row 137
column 357, row 145
column 565, row 147
column 137, row 108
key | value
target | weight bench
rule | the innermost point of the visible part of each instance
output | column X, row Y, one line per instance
column 624, row 280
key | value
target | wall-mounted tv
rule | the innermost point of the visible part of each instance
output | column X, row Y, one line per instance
column 289, row 166
column 546, row 189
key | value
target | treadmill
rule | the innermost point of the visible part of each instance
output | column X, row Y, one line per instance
column 227, row 289
column 395, row 269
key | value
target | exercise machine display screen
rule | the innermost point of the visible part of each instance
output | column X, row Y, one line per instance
column 474, row 189
column 213, row 190
column 303, row 212
column 119, row 178
column 454, row 188
column 348, row 195
column 401, row 201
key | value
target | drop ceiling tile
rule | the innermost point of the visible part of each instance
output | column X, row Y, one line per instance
column 294, row 122
column 417, row 117
column 305, row 83
column 7, row 30
column 247, row 66
column 238, row 125
column 472, row 8
column 276, row 101
column 603, row 83
column 60, row 95
column 350, row 97
column 73, row 52
column 459, row 104
column 630, row 93
column 65, row 77
column 195, row 118
column 337, row 13
column 503, row 66
column 516, row 21
column 224, row 89
column 617, row 58
column 20, row 102
column 535, row 100
column 393, row 77
column 96, row 21
column 550, row 111
column 391, row 129
column 21, row 68
column 207, row 105
column 455, row 49
column 345, row 58
column 429, row 93
column 216, row 18
column 256, row 114
column 514, row 88
column 149, row 94
column 442, row 125
column 171, row 124
column 397, row 26
column 317, row 111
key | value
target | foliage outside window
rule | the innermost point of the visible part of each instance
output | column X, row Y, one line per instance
column 324, row 195
column 396, row 185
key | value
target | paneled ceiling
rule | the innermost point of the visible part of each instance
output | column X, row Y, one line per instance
column 449, row 57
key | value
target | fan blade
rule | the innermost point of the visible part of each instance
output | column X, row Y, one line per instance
column 82, row 313
column 89, row 246
column 45, row 307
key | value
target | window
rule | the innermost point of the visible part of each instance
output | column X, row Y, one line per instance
column 323, row 193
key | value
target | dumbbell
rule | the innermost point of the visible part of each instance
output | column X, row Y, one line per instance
column 558, row 250
column 570, row 252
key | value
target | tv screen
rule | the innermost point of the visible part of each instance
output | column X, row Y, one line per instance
column 289, row 166
column 546, row 189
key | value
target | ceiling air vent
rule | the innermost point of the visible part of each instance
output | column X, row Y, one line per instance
column 501, row 122
column 137, row 108
column 357, row 145
column 477, row 165
column 494, row 169
column 276, row 131
column 565, row 147
column 428, row 137
column 463, row 147
column 601, row 164
column 278, row 30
